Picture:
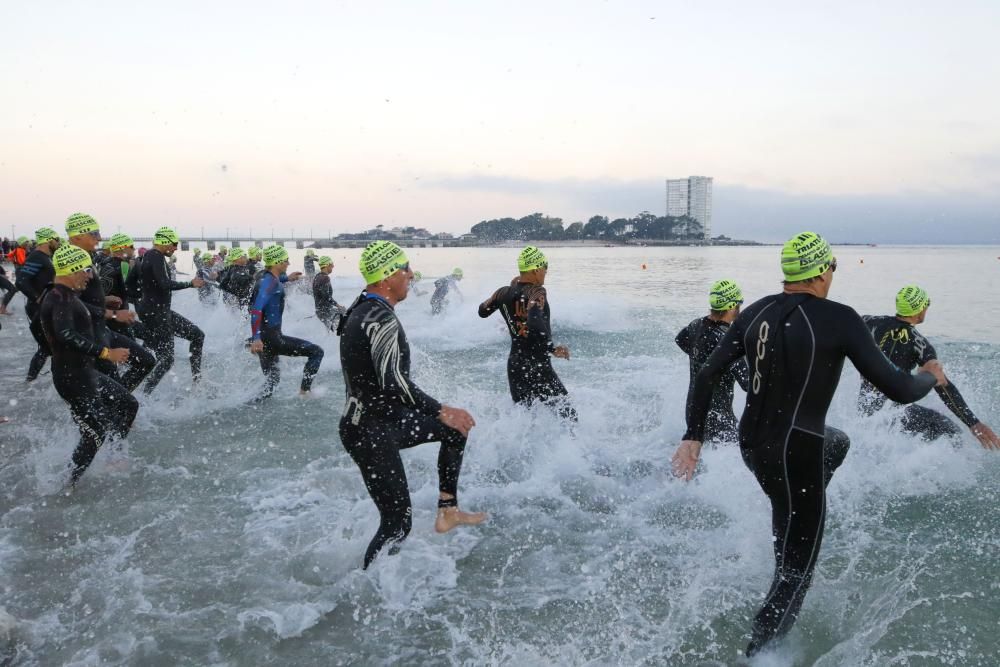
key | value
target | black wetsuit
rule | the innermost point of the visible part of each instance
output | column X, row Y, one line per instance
column 266, row 310
column 525, row 309
column 327, row 308
column 36, row 274
column 385, row 413
column 100, row 406
column 698, row 340
column 309, row 263
column 162, row 323
column 114, row 273
column 795, row 346
column 441, row 288
column 237, row 283
column 7, row 286
column 907, row 349
column 206, row 293
column 140, row 360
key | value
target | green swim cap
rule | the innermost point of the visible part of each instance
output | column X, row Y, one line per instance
column 119, row 241
column 166, row 236
column 806, row 256
column 253, row 252
column 81, row 223
column 235, row 254
column 381, row 259
column 43, row 235
column 310, row 253
column 725, row 295
column 325, row 261
column 275, row 254
column 457, row 273
column 911, row 300
column 69, row 259
column 531, row 258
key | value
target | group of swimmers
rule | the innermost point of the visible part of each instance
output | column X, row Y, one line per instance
column 786, row 351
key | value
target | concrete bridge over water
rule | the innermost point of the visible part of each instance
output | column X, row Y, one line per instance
column 212, row 242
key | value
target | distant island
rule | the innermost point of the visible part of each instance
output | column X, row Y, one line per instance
column 642, row 229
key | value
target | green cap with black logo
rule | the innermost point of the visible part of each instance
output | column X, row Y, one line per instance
column 806, row 256
column 725, row 295
column 381, row 259
column 911, row 300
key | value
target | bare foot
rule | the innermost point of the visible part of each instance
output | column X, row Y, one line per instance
column 449, row 517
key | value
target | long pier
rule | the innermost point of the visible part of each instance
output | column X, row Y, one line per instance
column 212, row 242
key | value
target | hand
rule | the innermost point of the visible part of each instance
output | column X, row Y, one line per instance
column 256, row 346
column 113, row 302
column 456, row 418
column 685, row 459
column 197, row 282
column 935, row 368
column 295, row 276
column 561, row 351
column 125, row 316
column 118, row 355
column 987, row 438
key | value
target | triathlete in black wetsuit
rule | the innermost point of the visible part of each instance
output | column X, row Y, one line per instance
column 309, row 262
column 9, row 291
column 907, row 349
column 114, row 270
column 84, row 232
column 698, row 340
column 162, row 323
column 37, row 274
column 386, row 412
column 328, row 310
column 525, row 309
column 236, row 280
column 442, row 286
column 795, row 344
column 268, row 341
column 99, row 405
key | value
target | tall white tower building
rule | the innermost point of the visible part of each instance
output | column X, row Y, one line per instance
column 692, row 197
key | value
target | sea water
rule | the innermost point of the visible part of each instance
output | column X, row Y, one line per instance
column 225, row 533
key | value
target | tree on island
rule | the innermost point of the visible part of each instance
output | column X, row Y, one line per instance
column 540, row 227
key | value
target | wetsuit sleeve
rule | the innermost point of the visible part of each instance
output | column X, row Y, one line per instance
column 700, row 397
column 26, row 278
column 161, row 279
column 740, row 372
column 268, row 285
column 106, row 271
column 65, row 331
column 874, row 366
column 953, row 399
column 386, row 358
column 684, row 341
column 488, row 307
column 538, row 325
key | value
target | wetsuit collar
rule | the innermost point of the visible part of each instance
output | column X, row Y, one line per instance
column 377, row 297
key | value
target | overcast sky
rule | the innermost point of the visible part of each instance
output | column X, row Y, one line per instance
column 866, row 121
